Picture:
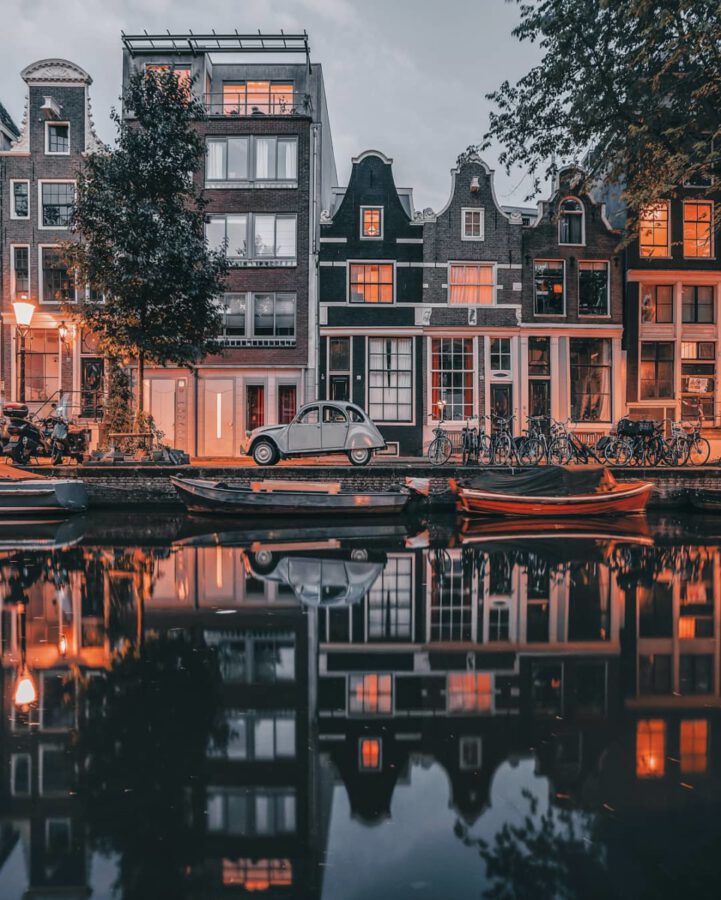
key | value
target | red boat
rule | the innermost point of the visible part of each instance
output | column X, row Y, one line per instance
column 551, row 491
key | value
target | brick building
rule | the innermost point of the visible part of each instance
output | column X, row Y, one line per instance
column 268, row 172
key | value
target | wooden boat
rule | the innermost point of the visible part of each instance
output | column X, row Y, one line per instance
column 706, row 499
column 290, row 498
column 624, row 529
column 551, row 491
column 30, row 496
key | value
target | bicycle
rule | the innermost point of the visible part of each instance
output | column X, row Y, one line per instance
column 567, row 447
column 504, row 448
column 440, row 448
column 475, row 443
column 698, row 447
column 533, row 447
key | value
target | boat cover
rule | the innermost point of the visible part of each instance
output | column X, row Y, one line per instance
column 545, row 481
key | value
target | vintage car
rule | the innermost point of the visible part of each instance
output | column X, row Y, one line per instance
column 319, row 427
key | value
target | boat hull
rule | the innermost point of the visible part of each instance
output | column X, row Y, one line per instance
column 207, row 497
column 47, row 495
column 626, row 500
column 706, row 500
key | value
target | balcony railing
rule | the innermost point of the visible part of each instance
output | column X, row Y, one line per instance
column 266, row 103
column 235, row 341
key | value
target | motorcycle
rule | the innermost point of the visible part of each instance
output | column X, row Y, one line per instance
column 52, row 436
column 64, row 439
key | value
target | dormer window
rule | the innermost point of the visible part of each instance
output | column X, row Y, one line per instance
column 472, row 224
column 570, row 224
column 57, row 138
column 372, row 222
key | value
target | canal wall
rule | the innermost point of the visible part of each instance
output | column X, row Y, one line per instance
column 123, row 486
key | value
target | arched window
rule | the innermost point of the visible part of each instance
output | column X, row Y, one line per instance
column 570, row 224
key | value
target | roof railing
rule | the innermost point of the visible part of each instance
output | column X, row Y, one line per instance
column 258, row 103
column 217, row 43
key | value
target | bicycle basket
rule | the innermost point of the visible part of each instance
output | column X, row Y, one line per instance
column 637, row 428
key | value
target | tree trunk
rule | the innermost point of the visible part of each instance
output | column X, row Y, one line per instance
column 141, row 388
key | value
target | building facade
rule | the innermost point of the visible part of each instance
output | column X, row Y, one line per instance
column 268, row 172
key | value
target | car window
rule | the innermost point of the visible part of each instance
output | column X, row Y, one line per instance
column 308, row 416
column 333, row 414
column 355, row 414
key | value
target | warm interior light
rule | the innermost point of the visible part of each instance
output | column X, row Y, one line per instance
column 24, row 311
column 63, row 331
column 25, row 690
column 63, row 645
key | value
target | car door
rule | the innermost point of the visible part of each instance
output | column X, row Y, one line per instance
column 334, row 430
column 304, row 432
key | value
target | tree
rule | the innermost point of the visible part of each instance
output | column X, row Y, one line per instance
column 636, row 84
column 139, row 220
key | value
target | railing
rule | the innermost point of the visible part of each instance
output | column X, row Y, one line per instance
column 263, row 103
column 257, row 342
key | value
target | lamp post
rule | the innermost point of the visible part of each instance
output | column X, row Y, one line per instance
column 24, row 311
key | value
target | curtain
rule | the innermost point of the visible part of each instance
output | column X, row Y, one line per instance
column 265, row 158
column 471, row 285
column 285, row 236
column 287, row 162
column 215, row 161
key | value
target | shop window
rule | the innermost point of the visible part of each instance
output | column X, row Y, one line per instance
column 390, row 379
column 657, row 370
column 650, row 748
column 657, row 303
column 452, row 378
column 592, row 288
column 654, row 239
column 590, row 379
column 698, row 379
column 42, row 364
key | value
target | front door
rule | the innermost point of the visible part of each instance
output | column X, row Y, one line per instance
column 218, row 431
column 539, row 398
column 161, row 406
column 502, row 400
column 254, row 406
column 335, row 428
column 304, row 434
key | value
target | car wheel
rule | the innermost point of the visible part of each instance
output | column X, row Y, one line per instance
column 361, row 456
column 265, row 453
column 263, row 562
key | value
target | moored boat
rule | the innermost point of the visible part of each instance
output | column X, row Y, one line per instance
column 29, row 496
column 551, row 491
column 706, row 499
column 291, row 498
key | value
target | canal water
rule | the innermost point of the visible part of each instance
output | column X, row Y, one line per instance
column 422, row 709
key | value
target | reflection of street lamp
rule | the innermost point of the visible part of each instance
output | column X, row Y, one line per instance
column 26, row 693
column 24, row 311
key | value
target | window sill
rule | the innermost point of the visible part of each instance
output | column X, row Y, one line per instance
column 594, row 315
column 249, row 185
column 257, row 342
column 270, row 262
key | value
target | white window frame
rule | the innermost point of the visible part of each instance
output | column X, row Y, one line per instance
column 251, row 180
column 712, row 248
column 253, row 260
column 606, row 315
column 13, row 214
column 474, row 209
column 394, row 337
column 491, row 368
column 49, row 152
column 373, row 237
column 13, row 247
column 476, row 264
column 370, row 262
column 41, row 286
column 44, row 181
column 667, row 254
column 583, row 221
column 565, row 289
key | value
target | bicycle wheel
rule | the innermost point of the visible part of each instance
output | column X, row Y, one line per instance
column 560, row 451
column 502, row 449
column 439, row 451
column 618, row 452
column 530, row 451
column 699, row 451
column 485, row 450
column 675, row 453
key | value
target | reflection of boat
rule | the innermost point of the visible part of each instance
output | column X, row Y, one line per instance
column 286, row 498
column 622, row 529
column 551, row 491
column 40, row 534
column 29, row 496
column 706, row 499
column 208, row 532
column 332, row 579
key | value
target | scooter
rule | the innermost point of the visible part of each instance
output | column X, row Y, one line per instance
column 65, row 440
column 24, row 437
column 52, row 436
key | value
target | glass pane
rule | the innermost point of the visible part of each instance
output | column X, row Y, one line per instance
column 237, row 236
column 238, row 158
column 265, row 235
column 215, row 232
column 285, row 236
column 265, row 157
column 287, row 162
column 215, row 160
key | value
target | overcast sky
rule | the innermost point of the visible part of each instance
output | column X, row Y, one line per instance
column 407, row 77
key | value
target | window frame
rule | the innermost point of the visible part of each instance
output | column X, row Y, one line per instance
column 250, row 338
column 41, row 285
column 370, row 262
column 243, row 83
column 225, row 180
column 501, row 354
column 13, row 213
column 251, row 261
column 471, row 355
column 667, row 254
column 464, row 233
column 609, row 366
column 704, row 202
column 584, row 315
column 547, row 315
column 695, row 288
column 48, row 125
column 476, row 264
column 381, row 227
column 655, row 286
column 41, row 207
column 13, row 282
column 391, row 337
column 656, row 361
column 581, row 213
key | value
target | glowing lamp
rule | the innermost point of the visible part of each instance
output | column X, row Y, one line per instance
column 63, row 331
column 63, row 645
column 24, row 311
column 25, row 690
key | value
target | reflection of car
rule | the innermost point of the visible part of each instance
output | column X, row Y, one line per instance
column 319, row 427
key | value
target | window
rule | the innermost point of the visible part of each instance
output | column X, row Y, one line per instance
column 274, row 315
column 390, row 379
column 570, row 222
column 471, row 284
column 56, row 202
column 657, row 378
column 251, row 811
column 539, row 376
column 697, row 229
column 370, row 694
column 452, row 377
column 372, row 222
column 696, row 673
column 390, row 601
column 258, row 735
column 694, row 746
column 470, row 752
column 226, row 159
column 539, row 356
column 257, row 875
column 92, row 375
column 252, row 97
column 590, row 379
column 654, row 231
column 253, row 236
column 592, row 288
column 182, row 73
column 472, row 224
column 334, row 415
column 657, row 303
column 309, row 416
column 274, row 236
column 339, row 368
column 287, row 403
column 650, row 748
column 20, row 272
column 57, row 282
column 254, row 406
column 370, row 754
column 697, row 304
column 501, row 354
column 57, row 138
column 698, row 379
column 469, row 692
column 371, row 282
column 454, row 600
column 276, row 158
column 20, row 200
column 231, row 231
column 20, row 774
column 549, row 288
column 42, row 363
column 234, row 315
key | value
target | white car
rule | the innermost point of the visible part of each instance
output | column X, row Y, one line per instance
column 324, row 426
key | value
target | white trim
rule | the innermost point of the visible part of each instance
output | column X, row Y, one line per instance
column 369, row 262
column 13, row 215
column 607, row 315
column 538, row 315
column 583, row 221
column 372, row 237
column 366, row 153
column 509, row 265
column 43, row 181
column 12, row 270
column 47, row 142
column 332, row 240
column 409, row 240
column 697, row 202
column 55, row 303
column 381, row 337
column 473, row 209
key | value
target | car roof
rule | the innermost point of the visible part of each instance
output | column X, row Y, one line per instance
column 343, row 404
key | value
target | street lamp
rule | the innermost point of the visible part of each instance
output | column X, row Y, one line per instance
column 26, row 692
column 24, row 311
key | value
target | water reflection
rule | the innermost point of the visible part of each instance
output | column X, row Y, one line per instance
column 454, row 710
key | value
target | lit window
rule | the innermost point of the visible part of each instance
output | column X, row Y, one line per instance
column 697, row 229
column 657, row 303
column 469, row 692
column 182, row 73
column 452, row 378
column 570, row 222
column 650, row 748
column 657, row 370
column 473, row 224
column 372, row 221
column 257, row 874
column 369, row 753
column 549, row 293
column 654, row 231
column 57, row 138
column 590, row 379
column 371, row 693
column 694, row 746
column 592, row 288
column 371, row 282
column 470, row 284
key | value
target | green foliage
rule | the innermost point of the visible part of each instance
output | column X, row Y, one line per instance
column 140, row 222
column 118, row 414
column 638, row 82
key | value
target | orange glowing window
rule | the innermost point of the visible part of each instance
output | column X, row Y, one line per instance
column 686, row 627
column 257, row 875
column 371, row 693
column 650, row 748
column 371, row 283
column 372, row 219
column 694, row 745
column 471, row 285
column 370, row 753
column 234, row 100
column 469, row 692
column 654, row 231
column 697, row 229
column 182, row 73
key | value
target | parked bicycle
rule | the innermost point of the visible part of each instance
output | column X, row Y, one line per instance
column 475, row 443
column 440, row 448
column 567, row 447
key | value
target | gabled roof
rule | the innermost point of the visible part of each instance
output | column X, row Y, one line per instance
column 6, row 122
